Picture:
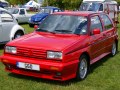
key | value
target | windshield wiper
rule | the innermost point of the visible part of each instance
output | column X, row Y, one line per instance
column 43, row 30
column 63, row 31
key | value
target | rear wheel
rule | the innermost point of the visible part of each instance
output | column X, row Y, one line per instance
column 18, row 34
column 114, row 49
column 82, row 68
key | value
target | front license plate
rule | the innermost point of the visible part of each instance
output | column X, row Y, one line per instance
column 28, row 66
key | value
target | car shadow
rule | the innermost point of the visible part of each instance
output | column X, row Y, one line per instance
column 65, row 83
column 46, row 81
column 2, row 47
column 99, row 63
column 23, row 23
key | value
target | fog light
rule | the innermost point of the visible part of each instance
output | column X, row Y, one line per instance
column 8, row 67
column 58, row 74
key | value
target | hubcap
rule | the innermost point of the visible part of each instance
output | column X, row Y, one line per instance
column 83, row 68
column 114, row 49
column 17, row 36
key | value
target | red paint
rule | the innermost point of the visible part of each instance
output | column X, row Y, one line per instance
column 72, row 46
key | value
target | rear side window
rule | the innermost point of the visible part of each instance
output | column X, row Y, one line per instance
column 95, row 23
column 107, row 22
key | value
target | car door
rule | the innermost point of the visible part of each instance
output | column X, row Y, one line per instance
column 97, row 40
column 6, row 24
column 22, row 17
column 109, row 31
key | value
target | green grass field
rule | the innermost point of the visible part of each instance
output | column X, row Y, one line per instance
column 104, row 75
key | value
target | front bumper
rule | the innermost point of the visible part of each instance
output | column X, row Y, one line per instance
column 48, row 70
column 34, row 23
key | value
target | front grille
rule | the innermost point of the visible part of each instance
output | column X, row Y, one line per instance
column 31, row 53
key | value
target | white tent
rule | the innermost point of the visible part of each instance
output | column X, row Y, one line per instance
column 32, row 3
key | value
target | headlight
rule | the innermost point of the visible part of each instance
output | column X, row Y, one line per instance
column 29, row 19
column 9, row 49
column 54, row 55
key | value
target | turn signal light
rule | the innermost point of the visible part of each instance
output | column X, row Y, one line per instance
column 54, row 68
column 5, row 61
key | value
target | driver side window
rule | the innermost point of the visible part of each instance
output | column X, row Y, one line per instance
column 95, row 24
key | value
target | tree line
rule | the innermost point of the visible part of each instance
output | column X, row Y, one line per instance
column 63, row 4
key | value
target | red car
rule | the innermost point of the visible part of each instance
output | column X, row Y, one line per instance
column 63, row 46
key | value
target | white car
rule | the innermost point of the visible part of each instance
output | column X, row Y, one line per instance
column 9, row 28
column 21, row 14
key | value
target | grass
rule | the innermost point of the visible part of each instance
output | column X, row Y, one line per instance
column 104, row 75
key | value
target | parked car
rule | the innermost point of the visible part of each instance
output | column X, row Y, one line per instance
column 109, row 7
column 21, row 14
column 44, row 12
column 61, row 51
column 3, row 4
column 9, row 28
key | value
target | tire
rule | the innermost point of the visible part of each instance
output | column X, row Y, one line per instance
column 114, row 49
column 17, row 20
column 83, row 68
column 18, row 34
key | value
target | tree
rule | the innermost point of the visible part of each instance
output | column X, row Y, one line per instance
column 63, row 4
column 66, row 4
column 13, row 2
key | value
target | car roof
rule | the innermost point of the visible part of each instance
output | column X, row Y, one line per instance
column 16, row 8
column 77, row 13
column 50, row 7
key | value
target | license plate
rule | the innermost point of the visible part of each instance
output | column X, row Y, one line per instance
column 28, row 66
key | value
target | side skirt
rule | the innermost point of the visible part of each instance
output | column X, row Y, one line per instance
column 98, row 58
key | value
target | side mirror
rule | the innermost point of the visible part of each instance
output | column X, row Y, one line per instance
column 35, row 27
column 96, row 31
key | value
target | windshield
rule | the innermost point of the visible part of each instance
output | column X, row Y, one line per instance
column 10, row 10
column 45, row 10
column 64, row 24
column 91, row 6
column 13, row 11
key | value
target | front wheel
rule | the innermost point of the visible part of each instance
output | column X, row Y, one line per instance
column 82, row 68
column 18, row 34
column 114, row 49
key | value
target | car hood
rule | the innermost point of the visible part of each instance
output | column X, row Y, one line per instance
column 38, row 17
column 46, row 41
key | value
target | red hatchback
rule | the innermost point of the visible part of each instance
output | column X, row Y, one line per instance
column 63, row 46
